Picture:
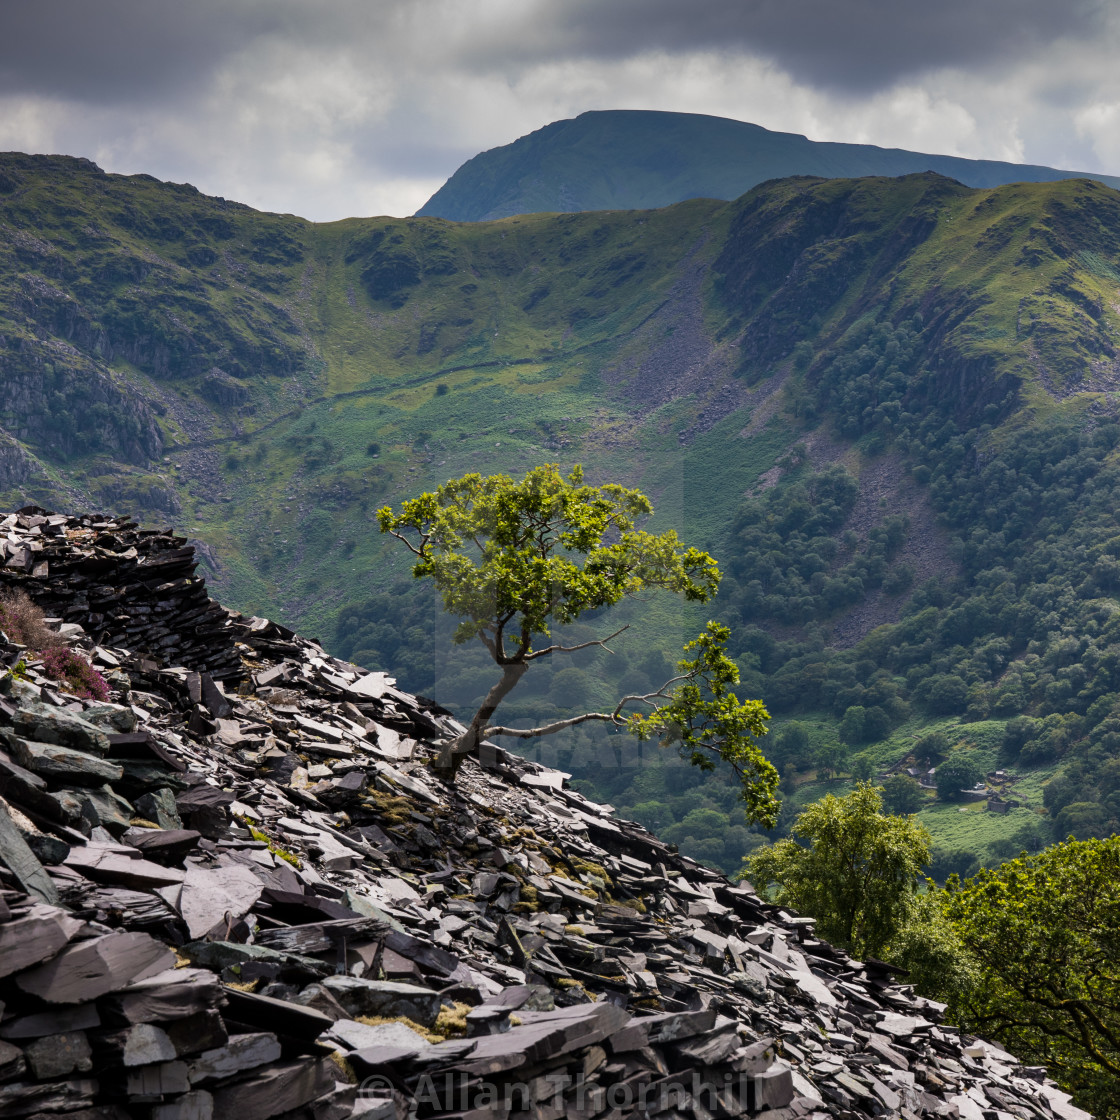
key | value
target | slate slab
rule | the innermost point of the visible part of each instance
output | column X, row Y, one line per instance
column 53, row 725
column 63, row 764
column 280, row 1089
column 21, row 861
column 41, row 933
column 384, row 999
column 242, row 1052
column 41, row 1023
column 88, row 969
column 264, row 1013
column 106, row 864
column 166, row 996
column 213, row 896
column 59, row 1055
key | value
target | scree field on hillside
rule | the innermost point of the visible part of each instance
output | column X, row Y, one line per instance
column 887, row 406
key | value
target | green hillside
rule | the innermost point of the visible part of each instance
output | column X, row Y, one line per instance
column 629, row 159
column 888, row 406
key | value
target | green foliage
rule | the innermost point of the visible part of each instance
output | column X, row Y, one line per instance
column 864, row 725
column 902, row 795
column 857, row 873
column 511, row 559
column 930, row 948
column 956, row 774
column 1044, row 932
column 703, row 718
column 503, row 554
column 787, row 562
column 947, row 862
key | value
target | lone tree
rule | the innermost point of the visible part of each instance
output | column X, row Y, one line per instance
column 512, row 558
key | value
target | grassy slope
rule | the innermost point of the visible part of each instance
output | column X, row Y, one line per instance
column 557, row 337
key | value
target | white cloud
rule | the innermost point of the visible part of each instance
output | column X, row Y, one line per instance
column 345, row 108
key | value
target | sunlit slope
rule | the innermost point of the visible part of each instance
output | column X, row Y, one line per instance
column 267, row 383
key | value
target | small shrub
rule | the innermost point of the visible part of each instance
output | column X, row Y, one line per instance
column 23, row 622
column 442, row 389
column 74, row 673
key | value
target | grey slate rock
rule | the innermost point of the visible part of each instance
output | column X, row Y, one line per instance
column 59, row 1055
column 21, row 861
column 384, row 999
column 52, row 725
column 159, row 807
column 88, row 969
column 242, row 1052
column 38, row 935
column 281, row 1088
column 63, row 764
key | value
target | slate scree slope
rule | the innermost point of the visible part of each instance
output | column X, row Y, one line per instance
column 236, row 890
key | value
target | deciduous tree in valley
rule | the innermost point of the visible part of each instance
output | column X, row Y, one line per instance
column 857, row 870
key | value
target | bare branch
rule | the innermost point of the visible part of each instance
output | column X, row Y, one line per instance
column 583, row 645
column 649, row 697
column 408, row 544
column 552, row 728
column 614, row 717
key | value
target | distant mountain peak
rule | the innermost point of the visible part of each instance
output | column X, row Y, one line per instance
column 637, row 159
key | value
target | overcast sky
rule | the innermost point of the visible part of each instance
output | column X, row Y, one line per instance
column 333, row 108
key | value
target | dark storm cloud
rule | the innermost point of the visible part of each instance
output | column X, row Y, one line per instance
column 103, row 51
column 336, row 107
column 853, row 45
column 109, row 51
column 113, row 51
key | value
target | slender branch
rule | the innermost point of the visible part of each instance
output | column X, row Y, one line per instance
column 408, row 544
column 583, row 645
column 499, row 650
column 649, row 697
column 614, row 717
column 552, row 728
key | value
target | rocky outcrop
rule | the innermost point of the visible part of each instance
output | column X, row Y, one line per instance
column 259, row 901
column 60, row 401
column 15, row 464
column 124, row 585
column 224, row 390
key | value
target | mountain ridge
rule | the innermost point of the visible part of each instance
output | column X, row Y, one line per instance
column 642, row 159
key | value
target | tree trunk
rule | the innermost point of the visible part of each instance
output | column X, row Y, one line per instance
column 451, row 756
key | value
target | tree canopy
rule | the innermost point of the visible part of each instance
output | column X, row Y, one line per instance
column 955, row 775
column 1044, row 933
column 902, row 795
column 857, row 873
column 512, row 558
